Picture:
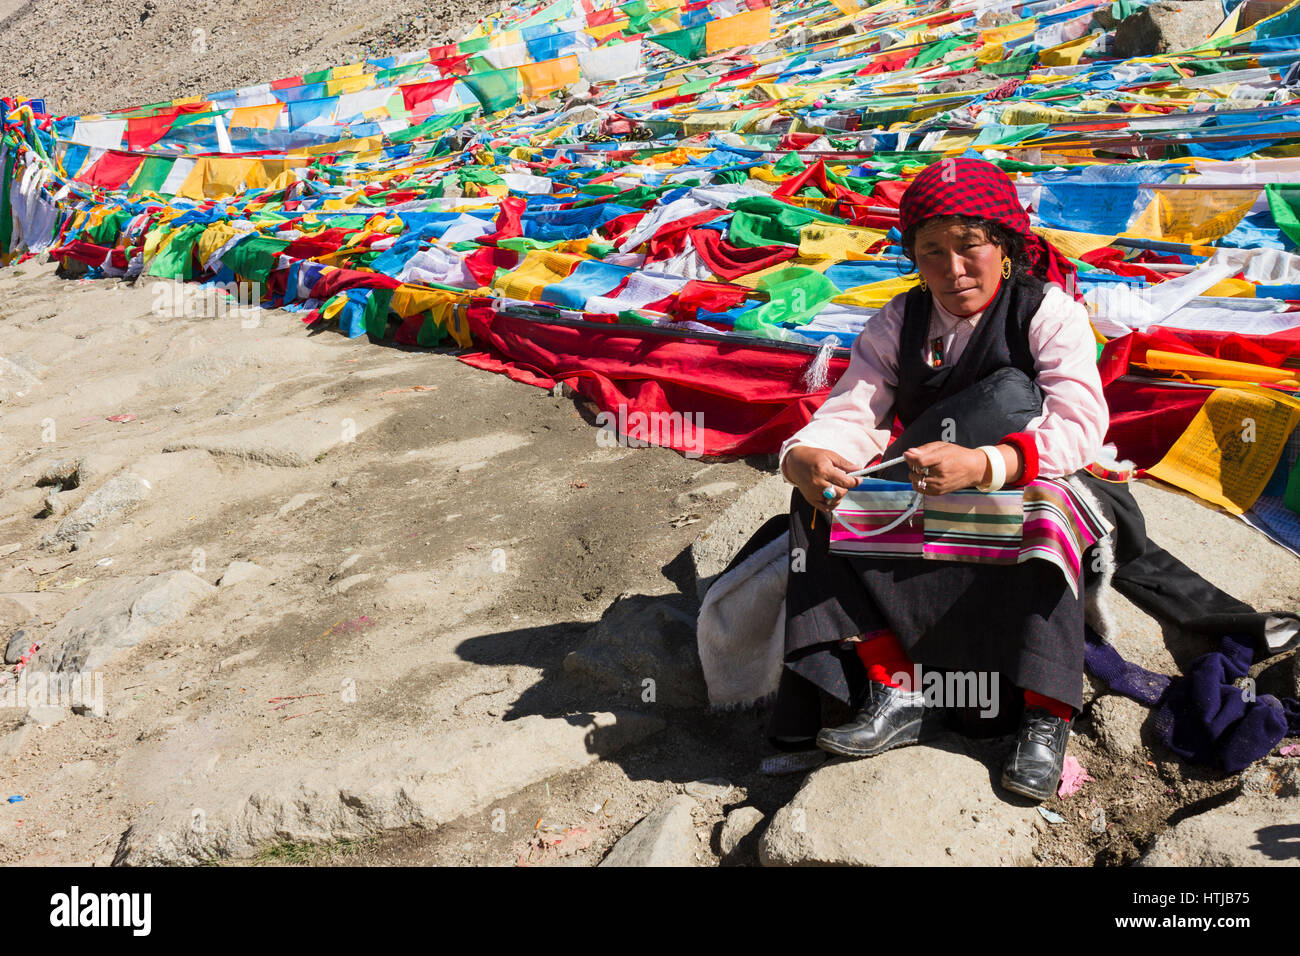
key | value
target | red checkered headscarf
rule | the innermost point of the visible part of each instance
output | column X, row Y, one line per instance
column 972, row 187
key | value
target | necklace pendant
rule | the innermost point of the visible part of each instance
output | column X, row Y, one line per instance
column 936, row 352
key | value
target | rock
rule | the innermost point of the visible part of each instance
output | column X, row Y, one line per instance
column 721, row 540
column 296, row 441
column 55, row 505
column 665, row 837
column 296, row 502
column 82, row 541
column 425, row 780
column 931, row 805
column 739, row 833
column 48, row 714
column 13, row 377
column 8, row 549
column 79, row 769
column 118, row 496
column 65, row 472
column 350, row 582
column 237, row 572
column 344, row 565
column 119, row 615
column 11, row 744
column 643, row 638
column 968, row 81
column 1118, row 723
column 705, row 492
column 17, row 646
column 996, row 18
column 714, row 788
column 1258, row 828
column 1167, row 27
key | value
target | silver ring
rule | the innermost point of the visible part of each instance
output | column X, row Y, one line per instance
column 920, row 486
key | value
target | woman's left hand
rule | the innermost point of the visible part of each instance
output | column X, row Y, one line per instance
column 940, row 467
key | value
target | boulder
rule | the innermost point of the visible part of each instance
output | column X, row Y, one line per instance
column 739, row 839
column 1166, row 27
column 1118, row 724
column 118, row 496
column 665, row 837
column 237, row 572
column 643, row 638
column 1258, row 828
column 932, row 805
column 425, row 780
column 121, row 614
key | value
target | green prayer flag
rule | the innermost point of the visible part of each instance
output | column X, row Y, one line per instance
column 764, row 221
column 255, row 257
column 1291, row 497
column 175, row 260
column 376, row 313
column 6, row 213
column 689, row 43
column 1283, row 202
column 495, row 89
column 431, row 332
column 794, row 296
column 935, row 51
column 153, row 173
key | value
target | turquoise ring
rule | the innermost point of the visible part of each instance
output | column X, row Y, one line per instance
column 828, row 494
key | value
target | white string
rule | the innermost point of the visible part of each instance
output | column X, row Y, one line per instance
column 911, row 510
column 880, row 467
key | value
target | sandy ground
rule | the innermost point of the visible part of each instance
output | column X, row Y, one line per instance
column 491, row 525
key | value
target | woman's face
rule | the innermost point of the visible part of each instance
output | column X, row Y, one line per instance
column 959, row 263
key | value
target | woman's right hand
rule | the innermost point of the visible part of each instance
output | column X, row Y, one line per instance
column 813, row 470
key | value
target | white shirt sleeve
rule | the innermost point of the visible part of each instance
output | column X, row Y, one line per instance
column 855, row 419
column 1070, row 432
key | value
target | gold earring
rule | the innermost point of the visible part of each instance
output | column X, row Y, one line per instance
column 922, row 283
column 1006, row 267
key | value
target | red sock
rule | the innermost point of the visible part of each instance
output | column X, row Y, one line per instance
column 884, row 657
column 1053, row 707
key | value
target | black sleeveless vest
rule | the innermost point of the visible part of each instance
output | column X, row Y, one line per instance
column 1001, row 340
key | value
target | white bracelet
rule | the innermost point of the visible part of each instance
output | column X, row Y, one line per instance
column 997, row 467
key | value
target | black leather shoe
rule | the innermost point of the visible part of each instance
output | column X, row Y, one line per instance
column 1038, row 756
column 890, row 717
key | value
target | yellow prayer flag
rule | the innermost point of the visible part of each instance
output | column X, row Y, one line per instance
column 256, row 117
column 348, row 84
column 753, row 26
column 549, row 75
column 1011, row 31
column 604, row 30
column 1068, row 53
column 875, row 294
column 1074, row 244
column 1229, row 451
column 539, row 269
column 1192, row 215
column 823, row 240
